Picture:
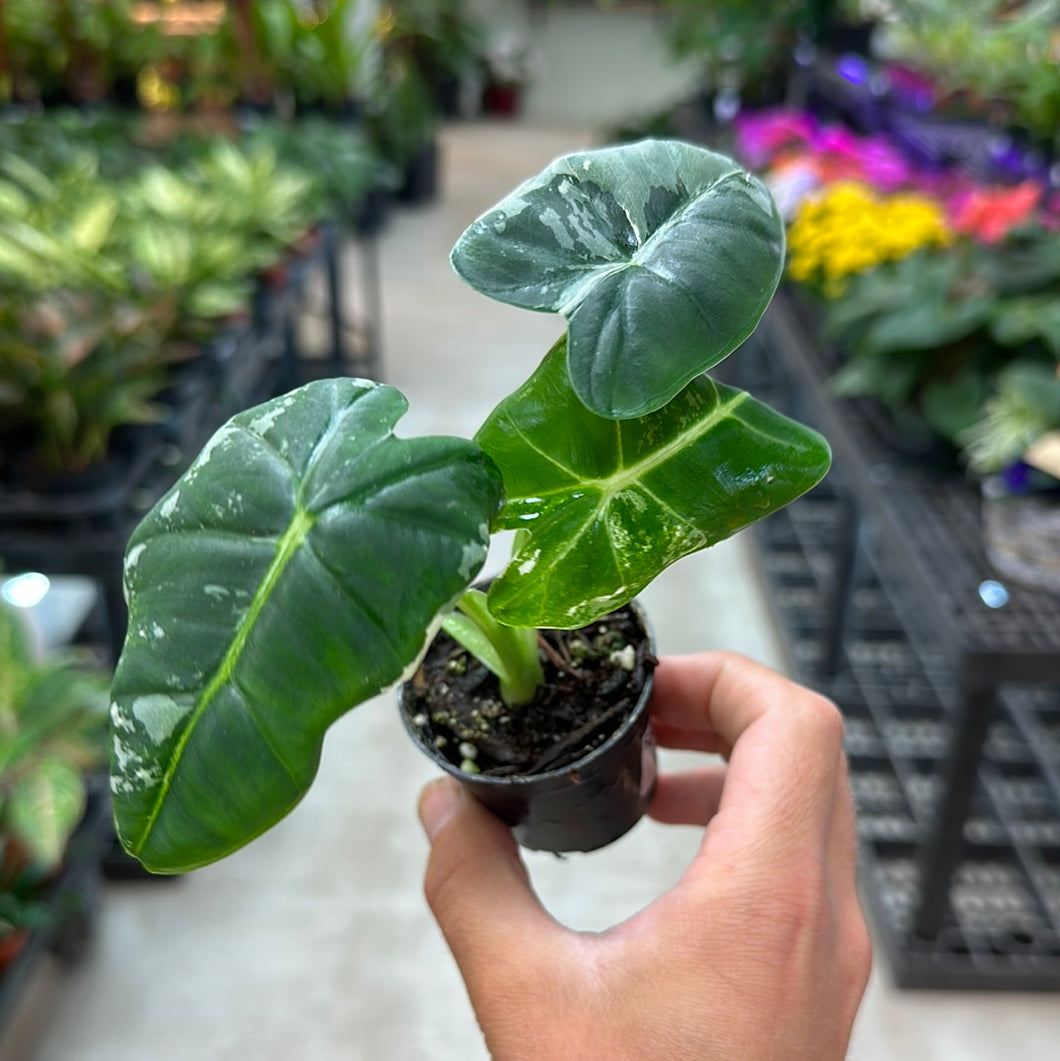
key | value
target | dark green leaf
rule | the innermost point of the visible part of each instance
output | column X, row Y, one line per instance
column 1022, row 320
column 891, row 379
column 925, row 325
column 291, row 573
column 662, row 255
column 951, row 406
column 1035, row 386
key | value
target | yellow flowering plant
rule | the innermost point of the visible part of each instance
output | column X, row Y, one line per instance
column 851, row 228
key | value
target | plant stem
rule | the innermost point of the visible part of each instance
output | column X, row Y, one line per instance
column 509, row 652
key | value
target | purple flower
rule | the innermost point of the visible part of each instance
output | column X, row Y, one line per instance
column 1021, row 479
column 1016, row 478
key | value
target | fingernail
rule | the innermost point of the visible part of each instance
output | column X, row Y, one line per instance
column 438, row 803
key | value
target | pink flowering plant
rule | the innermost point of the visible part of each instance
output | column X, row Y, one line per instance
column 942, row 295
column 781, row 141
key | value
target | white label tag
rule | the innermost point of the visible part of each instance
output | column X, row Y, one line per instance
column 1044, row 454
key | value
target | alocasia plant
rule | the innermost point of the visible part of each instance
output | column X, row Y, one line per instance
column 303, row 562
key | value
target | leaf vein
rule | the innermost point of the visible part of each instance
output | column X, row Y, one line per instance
column 299, row 527
column 351, row 597
column 251, row 710
column 635, row 472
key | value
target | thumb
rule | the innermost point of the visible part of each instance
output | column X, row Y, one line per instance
column 476, row 884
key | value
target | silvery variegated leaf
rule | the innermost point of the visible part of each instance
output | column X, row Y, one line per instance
column 609, row 504
column 661, row 255
column 292, row 572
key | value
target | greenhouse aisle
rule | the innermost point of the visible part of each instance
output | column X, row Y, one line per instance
column 314, row 943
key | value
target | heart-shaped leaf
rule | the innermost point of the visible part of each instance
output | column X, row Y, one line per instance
column 291, row 573
column 662, row 256
column 610, row 503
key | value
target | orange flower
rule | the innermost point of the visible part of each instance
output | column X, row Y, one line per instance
column 989, row 214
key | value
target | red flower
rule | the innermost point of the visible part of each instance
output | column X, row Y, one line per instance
column 989, row 214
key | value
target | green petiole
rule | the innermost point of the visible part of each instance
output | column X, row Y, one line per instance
column 509, row 652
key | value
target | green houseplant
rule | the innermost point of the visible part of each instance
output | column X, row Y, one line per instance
column 53, row 736
column 74, row 51
column 1001, row 57
column 80, row 350
column 53, row 728
column 107, row 279
column 744, row 49
column 931, row 334
column 310, row 51
column 305, row 559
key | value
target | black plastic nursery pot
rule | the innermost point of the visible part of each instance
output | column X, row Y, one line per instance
column 420, row 175
column 582, row 805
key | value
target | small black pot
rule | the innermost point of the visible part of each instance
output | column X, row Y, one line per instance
column 582, row 806
column 420, row 175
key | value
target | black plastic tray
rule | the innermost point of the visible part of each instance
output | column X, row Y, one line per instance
column 897, row 694
column 876, row 579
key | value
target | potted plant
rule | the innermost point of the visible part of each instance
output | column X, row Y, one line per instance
column 310, row 52
column 53, row 736
column 106, row 281
column 444, row 41
column 68, row 51
column 1015, row 448
column 80, row 351
column 356, row 181
column 999, row 60
column 510, row 64
column 307, row 557
column 928, row 334
column 402, row 111
column 745, row 50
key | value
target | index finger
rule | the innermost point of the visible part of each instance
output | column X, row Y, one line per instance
column 680, row 705
column 784, row 741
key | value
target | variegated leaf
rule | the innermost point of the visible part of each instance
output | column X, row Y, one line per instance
column 44, row 807
column 661, row 254
column 608, row 504
column 292, row 572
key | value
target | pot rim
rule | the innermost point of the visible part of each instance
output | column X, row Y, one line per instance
column 560, row 775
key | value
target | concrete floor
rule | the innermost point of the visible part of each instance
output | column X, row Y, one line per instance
column 314, row 943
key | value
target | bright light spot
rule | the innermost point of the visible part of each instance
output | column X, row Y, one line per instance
column 26, row 590
column 993, row 594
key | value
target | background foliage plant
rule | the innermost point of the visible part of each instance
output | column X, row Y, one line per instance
column 937, row 332
column 1022, row 411
column 112, row 263
column 53, row 733
column 1000, row 54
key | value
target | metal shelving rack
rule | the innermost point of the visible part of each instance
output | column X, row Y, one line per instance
column 949, row 680
column 84, row 533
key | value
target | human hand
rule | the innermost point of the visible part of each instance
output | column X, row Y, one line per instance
column 760, row 951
